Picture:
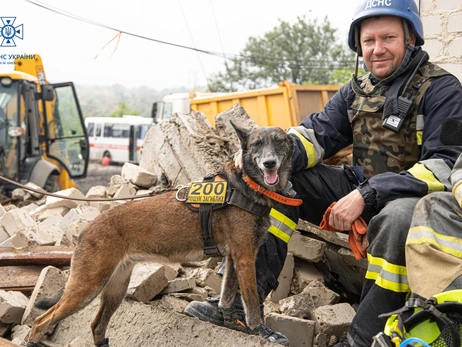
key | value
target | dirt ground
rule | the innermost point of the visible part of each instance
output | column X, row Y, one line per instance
column 97, row 175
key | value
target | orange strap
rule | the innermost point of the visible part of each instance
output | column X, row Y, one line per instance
column 272, row 195
column 357, row 236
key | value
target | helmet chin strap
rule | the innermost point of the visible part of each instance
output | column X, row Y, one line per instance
column 410, row 48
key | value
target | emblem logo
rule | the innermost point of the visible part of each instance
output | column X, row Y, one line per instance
column 8, row 31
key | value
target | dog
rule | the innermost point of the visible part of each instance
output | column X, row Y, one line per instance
column 162, row 226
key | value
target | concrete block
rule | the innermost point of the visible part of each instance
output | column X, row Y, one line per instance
column 455, row 48
column 448, row 4
column 19, row 194
column 306, row 248
column 96, row 192
column 43, row 212
column 179, row 285
column 43, row 235
column 304, row 274
column 333, row 319
column 432, row 25
column 20, row 333
column 126, row 190
column 455, row 22
column 214, row 281
column 299, row 305
column 36, row 195
column 50, row 282
column 321, row 340
column 12, row 306
column 3, row 234
column 285, row 279
column 101, row 205
column 18, row 240
column 52, row 202
column 138, row 176
column 2, row 211
column 15, row 220
column 321, row 295
column 300, row 332
column 146, row 282
column 114, row 185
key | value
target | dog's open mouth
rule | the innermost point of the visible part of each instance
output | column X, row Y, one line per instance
column 271, row 177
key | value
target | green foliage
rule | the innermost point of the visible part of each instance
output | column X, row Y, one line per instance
column 122, row 109
column 305, row 52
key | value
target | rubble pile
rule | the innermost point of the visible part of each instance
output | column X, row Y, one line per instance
column 311, row 306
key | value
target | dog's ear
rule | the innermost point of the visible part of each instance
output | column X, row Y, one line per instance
column 242, row 133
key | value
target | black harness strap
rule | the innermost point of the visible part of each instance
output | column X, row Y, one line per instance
column 205, row 216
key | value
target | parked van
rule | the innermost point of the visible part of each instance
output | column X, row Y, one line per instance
column 117, row 139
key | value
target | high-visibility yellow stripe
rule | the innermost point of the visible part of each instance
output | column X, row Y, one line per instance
column 279, row 233
column 419, row 135
column 396, row 269
column 420, row 172
column 281, row 226
column 425, row 235
column 309, row 148
column 386, row 284
column 283, row 218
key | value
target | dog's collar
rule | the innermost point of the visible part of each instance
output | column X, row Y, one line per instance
column 272, row 195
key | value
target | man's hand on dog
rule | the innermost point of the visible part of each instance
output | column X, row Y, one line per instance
column 346, row 211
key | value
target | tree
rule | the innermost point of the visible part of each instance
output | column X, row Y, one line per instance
column 305, row 52
column 122, row 109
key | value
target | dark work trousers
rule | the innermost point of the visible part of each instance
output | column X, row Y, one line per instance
column 318, row 188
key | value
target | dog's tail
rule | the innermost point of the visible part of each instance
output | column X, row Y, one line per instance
column 48, row 302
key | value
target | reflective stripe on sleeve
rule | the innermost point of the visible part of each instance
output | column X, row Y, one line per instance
column 310, row 149
column 425, row 235
column 420, row 172
column 386, row 275
column 281, row 226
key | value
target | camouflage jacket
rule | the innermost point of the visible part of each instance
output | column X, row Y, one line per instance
column 421, row 169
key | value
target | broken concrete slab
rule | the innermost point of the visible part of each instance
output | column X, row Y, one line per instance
column 53, row 202
column 333, row 319
column 304, row 274
column 96, row 192
column 50, row 282
column 20, row 333
column 321, row 295
column 300, row 332
column 146, row 282
column 139, row 325
column 15, row 220
column 12, row 306
column 18, row 240
column 306, row 248
column 138, row 176
column 285, row 279
column 184, row 149
column 299, row 305
column 179, row 285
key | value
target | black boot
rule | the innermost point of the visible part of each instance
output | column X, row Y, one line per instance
column 232, row 318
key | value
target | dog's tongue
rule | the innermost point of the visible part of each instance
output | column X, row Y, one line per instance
column 271, row 176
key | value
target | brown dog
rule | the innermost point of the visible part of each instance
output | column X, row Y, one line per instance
column 161, row 226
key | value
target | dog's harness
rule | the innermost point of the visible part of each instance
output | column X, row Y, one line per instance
column 214, row 193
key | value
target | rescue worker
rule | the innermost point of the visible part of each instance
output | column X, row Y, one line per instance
column 394, row 118
column 434, row 241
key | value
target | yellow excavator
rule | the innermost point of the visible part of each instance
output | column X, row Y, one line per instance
column 43, row 138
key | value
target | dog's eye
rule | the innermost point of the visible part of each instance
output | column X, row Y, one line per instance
column 257, row 142
column 280, row 139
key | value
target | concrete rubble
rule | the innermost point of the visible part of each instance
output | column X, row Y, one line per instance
column 311, row 306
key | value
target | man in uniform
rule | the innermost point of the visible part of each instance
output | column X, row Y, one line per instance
column 395, row 117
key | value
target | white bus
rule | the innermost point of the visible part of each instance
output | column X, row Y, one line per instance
column 117, row 139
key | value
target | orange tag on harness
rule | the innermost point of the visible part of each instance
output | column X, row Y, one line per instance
column 207, row 192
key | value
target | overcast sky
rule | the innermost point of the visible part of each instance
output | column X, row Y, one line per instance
column 68, row 47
